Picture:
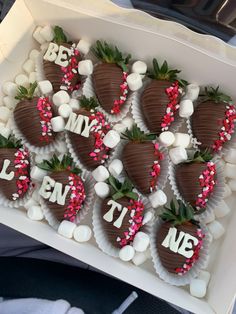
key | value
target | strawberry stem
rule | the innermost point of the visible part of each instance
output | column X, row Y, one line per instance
column 26, row 94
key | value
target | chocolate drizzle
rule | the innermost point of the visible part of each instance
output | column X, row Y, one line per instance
column 187, row 180
column 107, row 78
column 171, row 260
column 206, row 122
column 8, row 188
column 154, row 101
column 138, row 159
column 27, row 119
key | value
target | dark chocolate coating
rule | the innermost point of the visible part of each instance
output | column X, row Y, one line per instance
column 111, row 231
column 206, row 122
column 54, row 74
column 10, row 187
column 84, row 145
column 186, row 176
column 27, row 119
column 171, row 260
column 154, row 101
column 107, row 78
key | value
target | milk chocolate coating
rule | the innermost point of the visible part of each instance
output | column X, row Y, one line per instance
column 111, row 231
column 9, row 187
column 138, row 159
column 54, row 74
column 206, row 122
column 107, row 78
column 84, row 145
column 187, row 175
column 171, row 260
column 57, row 209
column 154, row 101
column 27, row 119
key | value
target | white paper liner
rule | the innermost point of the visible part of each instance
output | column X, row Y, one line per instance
column 88, row 91
column 40, row 76
column 216, row 196
column 37, row 150
column 89, row 188
column 99, row 233
column 162, row 179
column 138, row 115
column 21, row 201
column 168, row 277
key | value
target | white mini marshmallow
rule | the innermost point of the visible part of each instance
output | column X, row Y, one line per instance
column 100, row 174
column 22, row 79
column 198, row 288
column 64, row 110
column 134, row 81
column 102, row 189
column 230, row 170
column 119, row 127
column 209, row 217
column 29, row 66
column 39, row 158
column 74, row 104
column 82, row 233
column 34, row 54
column 167, row 138
column 178, row 155
column 58, row 124
column 66, row 229
column 139, row 258
column 61, row 97
column 61, row 147
column 85, row 67
column 115, row 168
column 32, row 77
column 141, row 241
column 128, row 122
column 111, row 139
column 45, row 87
column 10, row 89
column 126, row 253
column 4, row 131
column 35, row 196
column 35, row 213
column 83, row 46
column 30, row 203
column 182, row 139
column 37, row 35
column 4, row 114
column 148, row 216
column 37, row 173
column 157, row 198
column 205, row 276
column 227, row 191
column 186, row 108
column 139, row 67
column 222, row 209
column 47, row 33
column 216, row 229
column 231, row 156
column 232, row 184
column 192, row 92
column 10, row 102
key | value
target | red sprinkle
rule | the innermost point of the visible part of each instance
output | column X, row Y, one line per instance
column 156, row 168
column 124, row 92
column 45, row 112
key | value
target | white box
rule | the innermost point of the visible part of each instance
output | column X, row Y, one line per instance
column 202, row 59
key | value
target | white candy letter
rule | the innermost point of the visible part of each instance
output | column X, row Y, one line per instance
column 3, row 174
column 109, row 215
column 51, row 55
column 46, row 187
column 57, row 195
column 62, row 56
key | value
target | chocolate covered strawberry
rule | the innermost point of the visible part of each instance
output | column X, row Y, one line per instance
column 60, row 63
column 88, row 145
column 63, row 189
column 159, row 100
column 196, row 180
column 142, row 160
column 179, row 239
column 32, row 117
column 15, row 169
column 122, row 213
column 109, row 78
column 213, row 120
